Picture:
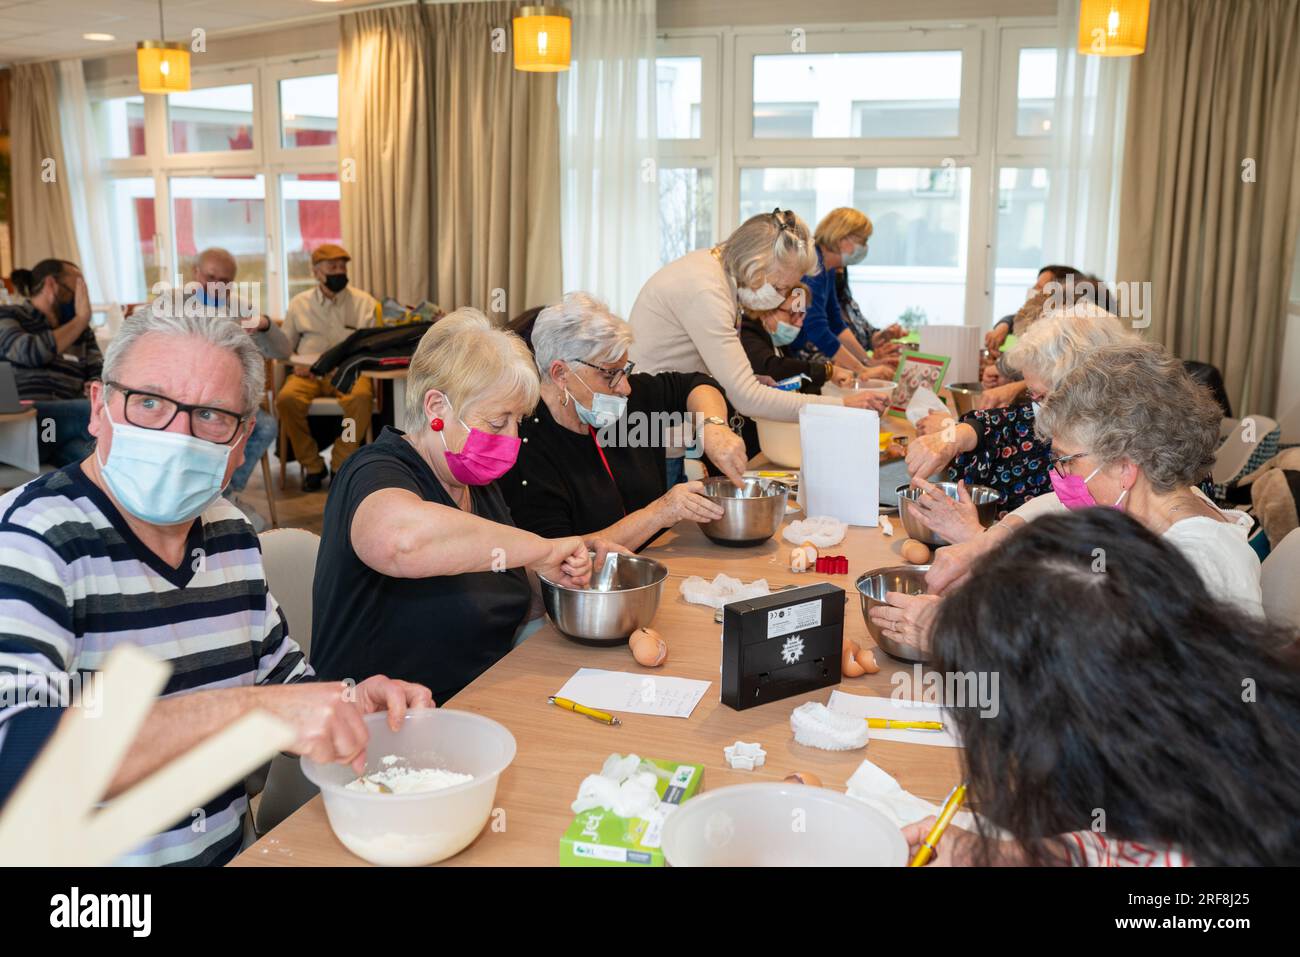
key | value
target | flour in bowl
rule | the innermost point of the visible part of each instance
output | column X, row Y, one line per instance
column 404, row 780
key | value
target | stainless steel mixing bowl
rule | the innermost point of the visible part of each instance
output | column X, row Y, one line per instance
column 965, row 395
column 986, row 507
column 872, row 586
column 598, row 616
column 750, row 515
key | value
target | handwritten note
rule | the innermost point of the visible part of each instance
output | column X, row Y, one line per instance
column 634, row 693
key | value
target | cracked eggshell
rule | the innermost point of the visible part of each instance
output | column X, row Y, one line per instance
column 648, row 647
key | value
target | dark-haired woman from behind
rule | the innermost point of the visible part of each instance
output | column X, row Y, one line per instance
column 1139, row 721
column 47, row 339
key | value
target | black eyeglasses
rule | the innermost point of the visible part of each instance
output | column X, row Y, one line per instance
column 612, row 376
column 1058, row 461
column 148, row 410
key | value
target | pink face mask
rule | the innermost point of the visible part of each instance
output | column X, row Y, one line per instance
column 483, row 458
column 1073, row 490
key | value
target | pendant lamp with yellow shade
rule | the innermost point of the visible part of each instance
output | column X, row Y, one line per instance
column 541, row 39
column 1113, row 27
column 163, row 67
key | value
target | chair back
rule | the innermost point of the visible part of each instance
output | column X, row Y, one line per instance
column 1278, row 579
column 289, row 557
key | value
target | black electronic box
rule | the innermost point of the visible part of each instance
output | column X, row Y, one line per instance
column 782, row 644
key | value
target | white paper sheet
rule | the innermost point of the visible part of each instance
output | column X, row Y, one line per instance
column 874, row 706
column 841, row 463
column 634, row 693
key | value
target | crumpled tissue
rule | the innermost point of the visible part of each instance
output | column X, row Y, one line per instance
column 822, row 531
column 817, row 726
column 625, row 786
column 723, row 590
column 878, row 789
column 922, row 403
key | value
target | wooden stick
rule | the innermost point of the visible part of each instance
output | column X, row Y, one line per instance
column 51, row 818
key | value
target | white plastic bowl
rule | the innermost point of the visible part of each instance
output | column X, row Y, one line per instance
column 408, row 830
column 780, row 825
column 883, row 387
column 780, row 442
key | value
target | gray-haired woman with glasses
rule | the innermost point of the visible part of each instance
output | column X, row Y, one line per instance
column 686, row 315
column 1133, row 431
column 592, row 457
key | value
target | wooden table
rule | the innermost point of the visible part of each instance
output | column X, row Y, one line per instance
column 557, row 749
column 398, row 378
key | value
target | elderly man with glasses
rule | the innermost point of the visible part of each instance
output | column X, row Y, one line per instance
column 135, row 545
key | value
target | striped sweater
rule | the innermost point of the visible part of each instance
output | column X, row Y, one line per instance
column 75, row 582
column 40, row 370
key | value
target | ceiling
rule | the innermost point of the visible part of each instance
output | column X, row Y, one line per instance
column 41, row 29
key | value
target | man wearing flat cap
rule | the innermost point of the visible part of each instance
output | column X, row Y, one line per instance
column 317, row 320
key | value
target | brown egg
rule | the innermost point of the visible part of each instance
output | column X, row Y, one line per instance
column 804, row 777
column 914, row 552
column 648, row 647
column 849, row 666
column 798, row 560
column 866, row 660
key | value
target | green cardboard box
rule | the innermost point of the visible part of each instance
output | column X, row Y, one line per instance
column 599, row 838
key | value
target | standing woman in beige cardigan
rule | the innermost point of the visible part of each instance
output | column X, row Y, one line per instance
column 685, row 316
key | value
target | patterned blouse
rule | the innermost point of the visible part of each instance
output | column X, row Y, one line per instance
column 1008, row 457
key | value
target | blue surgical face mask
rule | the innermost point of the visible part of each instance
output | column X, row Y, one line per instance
column 784, row 333
column 160, row 477
column 855, row 256
column 605, row 409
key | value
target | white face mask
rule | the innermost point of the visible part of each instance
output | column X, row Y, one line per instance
column 764, row 297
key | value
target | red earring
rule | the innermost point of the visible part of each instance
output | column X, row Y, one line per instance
column 436, row 425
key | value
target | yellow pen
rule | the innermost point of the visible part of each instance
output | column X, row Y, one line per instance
column 930, row 845
column 891, row 724
column 591, row 713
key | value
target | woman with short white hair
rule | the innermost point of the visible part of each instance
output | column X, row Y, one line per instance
column 421, row 571
column 997, row 448
column 592, row 460
column 686, row 314
column 1130, row 430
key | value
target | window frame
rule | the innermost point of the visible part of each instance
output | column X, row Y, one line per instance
column 981, row 143
column 703, row 152
column 268, row 158
column 967, row 40
column 1011, row 40
column 279, row 156
column 215, row 159
column 706, row 144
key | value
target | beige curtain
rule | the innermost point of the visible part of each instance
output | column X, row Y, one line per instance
column 1210, row 204
column 496, row 144
column 39, row 200
column 385, row 156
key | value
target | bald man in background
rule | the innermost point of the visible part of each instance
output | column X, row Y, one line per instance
column 215, row 272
